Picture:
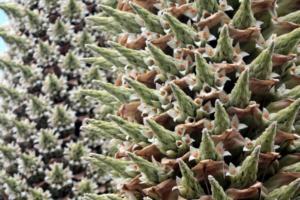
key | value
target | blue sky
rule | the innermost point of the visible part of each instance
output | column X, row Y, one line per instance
column 3, row 20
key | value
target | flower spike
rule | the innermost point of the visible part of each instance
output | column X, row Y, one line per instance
column 240, row 94
column 188, row 185
column 244, row 17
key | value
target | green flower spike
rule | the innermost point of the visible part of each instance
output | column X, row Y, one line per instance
column 217, row 190
column 102, row 197
column 222, row 120
column 244, row 17
column 121, row 93
column 85, row 186
column 241, row 94
column 287, row 43
column 47, row 141
column 12, row 93
column 293, row 93
column 210, row 6
column 14, row 184
column 291, row 168
column 285, row 192
column 293, row 17
column 120, row 167
column 12, row 9
column 26, row 71
column 165, row 62
column 34, row 19
column 39, row 194
column 62, row 117
column 84, row 39
column 267, row 138
column 10, row 39
column 286, row 117
column 100, row 62
column 208, row 148
column 23, row 128
column 188, row 185
column 57, row 174
column 152, row 22
column 125, row 19
column 107, row 129
column 44, row 50
column 111, row 3
column 93, row 73
column 136, row 58
column 72, row 9
column 247, row 174
column 186, row 104
column 5, row 121
column 261, row 66
column 152, row 171
column 103, row 96
column 224, row 49
column 52, row 84
column 29, row 161
column 60, row 30
column 71, row 62
column 149, row 96
column 6, row 64
column 76, row 151
column 168, row 142
column 110, row 55
column 204, row 72
column 107, row 23
column 133, row 130
column 9, row 152
column 183, row 33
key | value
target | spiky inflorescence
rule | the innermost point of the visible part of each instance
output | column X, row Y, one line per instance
column 199, row 88
column 44, row 100
column 202, row 86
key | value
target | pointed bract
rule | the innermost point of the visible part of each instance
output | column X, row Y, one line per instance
column 241, row 94
column 217, row 190
column 247, row 174
column 125, row 19
column 182, row 32
column 261, row 67
column 244, row 17
column 188, row 185
column 222, row 120
column 208, row 148
column 224, row 49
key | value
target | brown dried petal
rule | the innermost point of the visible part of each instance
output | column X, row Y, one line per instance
column 177, row 11
column 165, row 120
column 162, row 42
column 279, row 60
column 147, row 78
column 262, row 5
column 204, row 168
column 280, row 179
column 253, row 192
column 138, row 43
column 261, row 86
column 163, row 190
column 134, row 184
column 131, row 112
column 283, row 137
column 190, row 128
column 213, row 20
column 250, row 110
column 232, row 141
column 246, row 35
column 150, row 152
